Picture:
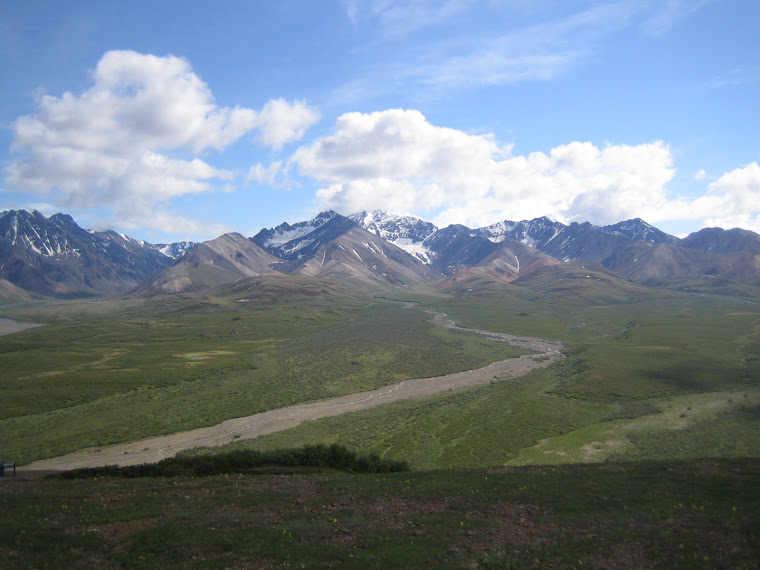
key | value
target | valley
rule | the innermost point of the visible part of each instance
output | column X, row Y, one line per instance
column 145, row 367
column 544, row 353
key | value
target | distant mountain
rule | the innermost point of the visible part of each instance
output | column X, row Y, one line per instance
column 718, row 240
column 331, row 245
column 301, row 240
column 507, row 262
column 55, row 257
column 365, row 257
column 173, row 250
column 638, row 230
column 407, row 232
column 455, row 247
column 226, row 259
column 633, row 248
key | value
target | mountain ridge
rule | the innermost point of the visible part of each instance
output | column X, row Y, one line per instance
column 55, row 257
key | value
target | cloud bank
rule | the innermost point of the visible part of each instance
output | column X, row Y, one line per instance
column 396, row 160
column 131, row 141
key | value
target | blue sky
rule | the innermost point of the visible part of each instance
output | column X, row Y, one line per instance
column 169, row 120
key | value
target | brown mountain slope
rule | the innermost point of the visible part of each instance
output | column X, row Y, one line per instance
column 509, row 261
column 228, row 258
column 583, row 282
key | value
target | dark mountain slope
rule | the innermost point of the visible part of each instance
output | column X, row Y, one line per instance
column 361, row 256
column 54, row 256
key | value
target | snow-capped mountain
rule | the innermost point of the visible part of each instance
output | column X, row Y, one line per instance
column 334, row 245
column 638, row 230
column 536, row 233
column 407, row 232
column 298, row 241
column 173, row 250
column 55, row 256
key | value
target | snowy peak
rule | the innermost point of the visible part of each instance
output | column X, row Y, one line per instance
column 54, row 237
column 365, row 257
column 55, row 256
column 638, row 230
column 297, row 241
column 406, row 232
column 394, row 228
column 174, row 250
column 535, row 232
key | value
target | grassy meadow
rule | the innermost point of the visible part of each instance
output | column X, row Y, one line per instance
column 673, row 376
column 108, row 371
column 669, row 375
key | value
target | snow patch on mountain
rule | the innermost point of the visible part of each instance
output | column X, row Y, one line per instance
column 406, row 232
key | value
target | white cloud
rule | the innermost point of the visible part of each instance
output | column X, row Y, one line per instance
column 130, row 142
column 281, row 122
column 733, row 200
column 397, row 160
column 265, row 174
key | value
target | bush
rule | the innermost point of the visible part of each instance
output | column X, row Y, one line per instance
column 239, row 461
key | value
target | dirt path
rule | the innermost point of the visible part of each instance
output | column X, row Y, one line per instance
column 157, row 448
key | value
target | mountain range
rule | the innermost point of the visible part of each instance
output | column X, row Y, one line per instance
column 54, row 257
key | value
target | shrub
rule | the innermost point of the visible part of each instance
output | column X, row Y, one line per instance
column 239, row 461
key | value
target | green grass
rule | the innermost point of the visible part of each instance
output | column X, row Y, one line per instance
column 643, row 380
column 703, row 513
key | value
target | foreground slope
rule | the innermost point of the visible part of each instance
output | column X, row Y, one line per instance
column 693, row 514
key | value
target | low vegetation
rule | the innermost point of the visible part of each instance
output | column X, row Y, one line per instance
column 246, row 461
column 693, row 514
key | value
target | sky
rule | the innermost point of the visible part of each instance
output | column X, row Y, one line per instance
column 172, row 120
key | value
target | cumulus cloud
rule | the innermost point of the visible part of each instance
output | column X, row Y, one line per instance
column 281, row 122
column 130, row 141
column 397, row 160
column 733, row 200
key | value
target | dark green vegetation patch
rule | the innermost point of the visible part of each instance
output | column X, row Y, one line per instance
column 694, row 514
column 248, row 461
